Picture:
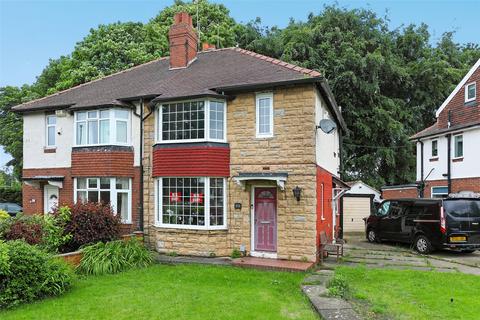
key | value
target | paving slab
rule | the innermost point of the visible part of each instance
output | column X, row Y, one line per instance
column 273, row 264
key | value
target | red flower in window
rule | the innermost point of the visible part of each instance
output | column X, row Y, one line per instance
column 175, row 196
column 196, row 197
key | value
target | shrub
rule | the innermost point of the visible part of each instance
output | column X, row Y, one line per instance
column 4, row 215
column 236, row 254
column 11, row 194
column 21, row 227
column 338, row 287
column 28, row 273
column 54, row 235
column 113, row 257
column 90, row 223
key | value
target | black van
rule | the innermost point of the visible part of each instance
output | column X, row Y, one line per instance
column 427, row 224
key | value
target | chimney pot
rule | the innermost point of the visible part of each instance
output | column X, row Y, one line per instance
column 207, row 46
column 183, row 41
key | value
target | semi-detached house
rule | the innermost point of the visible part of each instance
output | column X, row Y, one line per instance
column 205, row 152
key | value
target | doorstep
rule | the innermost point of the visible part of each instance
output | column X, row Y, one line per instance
column 273, row 264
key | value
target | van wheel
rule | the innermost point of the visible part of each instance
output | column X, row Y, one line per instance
column 372, row 236
column 423, row 245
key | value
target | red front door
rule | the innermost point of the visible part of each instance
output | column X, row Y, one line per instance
column 265, row 219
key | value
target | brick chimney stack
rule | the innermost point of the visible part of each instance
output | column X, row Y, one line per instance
column 183, row 41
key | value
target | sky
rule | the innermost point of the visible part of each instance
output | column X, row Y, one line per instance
column 32, row 32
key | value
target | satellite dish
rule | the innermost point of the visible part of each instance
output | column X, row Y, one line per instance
column 327, row 126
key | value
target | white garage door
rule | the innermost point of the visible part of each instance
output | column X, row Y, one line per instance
column 354, row 210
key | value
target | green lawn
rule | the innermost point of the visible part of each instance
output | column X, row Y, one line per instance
column 177, row 292
column 407, row 294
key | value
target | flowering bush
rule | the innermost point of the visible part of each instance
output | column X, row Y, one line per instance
column 4, row 215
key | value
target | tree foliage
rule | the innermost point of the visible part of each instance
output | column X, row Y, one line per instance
column 388, row 82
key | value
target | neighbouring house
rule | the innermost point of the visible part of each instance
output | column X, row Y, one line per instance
column 448, row 151
column 356, row 204
column 205, row 152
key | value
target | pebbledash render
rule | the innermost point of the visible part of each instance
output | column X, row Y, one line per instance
column 205, row 152
column 448, row 151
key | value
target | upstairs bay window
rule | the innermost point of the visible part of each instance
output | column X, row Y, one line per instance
column 191, row 121
column 102, row 127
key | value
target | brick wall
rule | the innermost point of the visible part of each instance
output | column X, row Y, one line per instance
column 461, row 113
column 324, row 207
column 292, row 150
column 466, row 184
column 33, row 197
column 103, row 161
column 400, row 193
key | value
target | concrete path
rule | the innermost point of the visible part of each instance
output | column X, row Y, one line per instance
column 358, row 251
column 329, row 308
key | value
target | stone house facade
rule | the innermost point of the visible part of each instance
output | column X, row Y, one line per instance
column 212, row 151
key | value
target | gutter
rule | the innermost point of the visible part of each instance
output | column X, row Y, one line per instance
column 422, row 182
column 449, row 162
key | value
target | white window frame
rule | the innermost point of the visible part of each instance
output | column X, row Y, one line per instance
column 431, row 150
column 112, row 127
column 47, row 126
column 474, row 84
column 257, row 114
column 159, row 205
column 206, row 127
column 113, row 193
column 455, row 146
column 438, row 193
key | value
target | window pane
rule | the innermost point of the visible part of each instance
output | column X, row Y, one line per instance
column 459, row 146
column 104, row 131
column 434, row 148
column 183, row 201
column 122, row 183
column 471, row 91
column 181, row 121
column 216, row 120
column 105, row 196
column 92, row 132
column 104, row 113
column 216, row 202
column 81, row 183
column 92, row 183
column 121, row 114
column 93, row 196
column 81, row 115
column 122, row 205
column 81, row 196
column 122, row 131
column 51, row 120
column 51, row 136
column 92, row 114
column 81, row 133
column 264, row 115
column 104, row 183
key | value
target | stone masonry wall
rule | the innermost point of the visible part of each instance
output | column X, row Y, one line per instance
column 291, row 149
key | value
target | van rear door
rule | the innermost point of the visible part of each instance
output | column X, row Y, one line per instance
column 463, row 217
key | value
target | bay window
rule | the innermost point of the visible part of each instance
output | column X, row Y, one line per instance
column 116, row 191
column 101, row 127
column 191, row 121
column 191, row 203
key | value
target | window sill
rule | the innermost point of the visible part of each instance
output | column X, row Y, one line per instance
column 459, row 159
column 49, row 149
column 433, row 159
column 264, row 137
column 179, row 228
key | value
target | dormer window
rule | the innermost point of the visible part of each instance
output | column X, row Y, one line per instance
column 102, row 127
column 470, row 92
column 191, row 121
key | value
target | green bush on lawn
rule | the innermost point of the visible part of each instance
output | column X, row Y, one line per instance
column 114, row 256
column 27, row 273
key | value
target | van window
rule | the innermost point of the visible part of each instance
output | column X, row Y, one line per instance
column 395, row 209
column 383, row 210
column 416, row 211
column 462, row 208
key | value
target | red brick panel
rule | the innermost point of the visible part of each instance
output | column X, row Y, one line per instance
column 461, row 113
column 102, row 164
column 211, row 161
column 400, row 193
column 324, row 204
column 33, row 197
column 466, row 184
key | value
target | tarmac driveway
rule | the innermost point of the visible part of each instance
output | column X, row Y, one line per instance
column 358, row 251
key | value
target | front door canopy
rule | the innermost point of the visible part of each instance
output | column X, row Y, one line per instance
column 279, row 177
column 34, row 181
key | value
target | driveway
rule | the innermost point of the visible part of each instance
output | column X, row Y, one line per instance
column 358, row 251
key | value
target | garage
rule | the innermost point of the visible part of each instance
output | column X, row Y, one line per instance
column 355, row 208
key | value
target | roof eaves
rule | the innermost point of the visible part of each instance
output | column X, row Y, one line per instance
column 194, row 96
column 261, row 85
column 42, row 108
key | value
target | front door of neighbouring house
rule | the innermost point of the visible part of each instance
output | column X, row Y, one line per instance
column 265, row 219
column 50, row 200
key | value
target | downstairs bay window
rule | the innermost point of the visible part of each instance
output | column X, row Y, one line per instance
column 191, row 203
column 116, row 191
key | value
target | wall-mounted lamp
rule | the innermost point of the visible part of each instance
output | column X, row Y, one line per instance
column 297, row 191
